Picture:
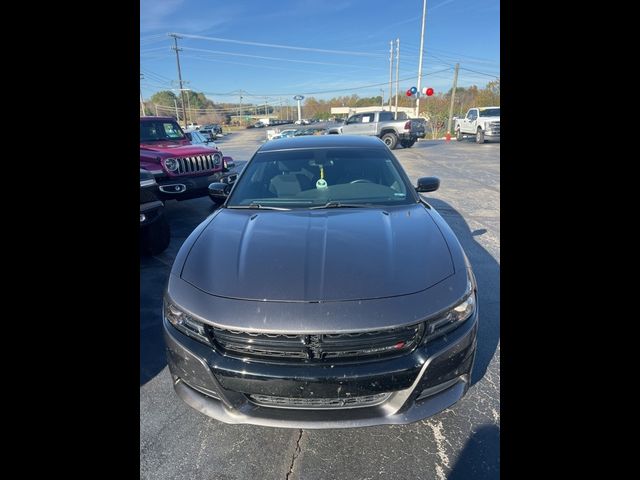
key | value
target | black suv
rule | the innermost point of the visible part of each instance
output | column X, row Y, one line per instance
column 154, row 228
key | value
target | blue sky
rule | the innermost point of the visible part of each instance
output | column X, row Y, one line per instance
column 221, row 58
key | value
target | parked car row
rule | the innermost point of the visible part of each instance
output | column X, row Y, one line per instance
column 297, row 132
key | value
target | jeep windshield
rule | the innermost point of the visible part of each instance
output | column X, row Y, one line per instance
column 321, row 178
column 156, row 131
column 490, row 112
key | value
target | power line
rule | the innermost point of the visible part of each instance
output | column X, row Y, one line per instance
column 360, row 87
column 480, row 73
column 273, row 45
column 255, row 65
column 274, row 58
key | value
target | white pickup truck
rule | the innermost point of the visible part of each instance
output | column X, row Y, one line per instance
column 482, row 122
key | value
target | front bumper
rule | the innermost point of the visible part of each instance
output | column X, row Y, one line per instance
column 421, row 384
column 150, row 212
column 184, row 188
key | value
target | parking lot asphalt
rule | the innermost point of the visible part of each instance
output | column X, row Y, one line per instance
column 462, row 442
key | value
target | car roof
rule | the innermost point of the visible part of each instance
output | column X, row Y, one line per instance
column 323, row 141
column 484, row 108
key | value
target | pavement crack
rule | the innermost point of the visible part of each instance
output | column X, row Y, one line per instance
column 296, row 452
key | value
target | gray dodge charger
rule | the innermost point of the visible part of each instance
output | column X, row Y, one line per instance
column 342, row 298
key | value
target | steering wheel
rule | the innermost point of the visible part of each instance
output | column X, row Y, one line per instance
column 361, row 180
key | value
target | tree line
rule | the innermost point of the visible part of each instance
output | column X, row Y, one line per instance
column 434, row 108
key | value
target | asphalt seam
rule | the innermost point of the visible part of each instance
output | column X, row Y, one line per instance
column 295, row 455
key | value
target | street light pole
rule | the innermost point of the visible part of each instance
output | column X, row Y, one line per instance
column 424, row 17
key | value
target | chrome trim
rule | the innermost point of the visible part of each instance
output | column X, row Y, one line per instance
column 182, row 188
column 148, row 183
column 362, row 401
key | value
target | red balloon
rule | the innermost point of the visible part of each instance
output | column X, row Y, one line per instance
column 429, row 91
column 409, row 93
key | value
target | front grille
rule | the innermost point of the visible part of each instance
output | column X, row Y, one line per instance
column 321, row 347
column 319, row 403
column 198, row 163
column 495, row 127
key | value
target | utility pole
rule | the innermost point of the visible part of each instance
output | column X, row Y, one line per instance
column 190, row 111
column 156, row 105
column 176, row 105
column 141, row 99
column 395, row 117
column 453, row 96
column 240, row 111
column 184, row 111
column 382, row 98
column 265, row 106
column 424, row 17
column 390, row 72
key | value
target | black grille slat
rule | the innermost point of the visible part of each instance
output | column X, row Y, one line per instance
column 319, row 347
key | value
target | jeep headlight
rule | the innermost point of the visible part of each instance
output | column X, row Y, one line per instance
column 454, row 317
column 171, row 164
column 184, row 322
column 217, row 158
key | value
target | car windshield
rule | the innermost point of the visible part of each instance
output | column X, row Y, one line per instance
column 490, row 112
column 153, row 131
column 306, row 178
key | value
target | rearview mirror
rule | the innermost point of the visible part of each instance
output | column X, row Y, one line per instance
column 428, row 184
column 219, row 190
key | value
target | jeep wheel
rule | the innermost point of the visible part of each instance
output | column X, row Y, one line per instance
column 458, row 135
column 407, row 143
column 155, row 238
column 479, row 136
column 390, row 140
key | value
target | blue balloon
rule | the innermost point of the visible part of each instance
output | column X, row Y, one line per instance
column 414, row 90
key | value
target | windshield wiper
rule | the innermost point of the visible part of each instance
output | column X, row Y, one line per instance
column 336, row 204
column 258, row 206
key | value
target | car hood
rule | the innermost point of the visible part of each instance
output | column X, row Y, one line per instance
column 177, row 150
column 318, row 255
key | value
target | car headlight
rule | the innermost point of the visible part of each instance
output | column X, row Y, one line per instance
column 171, row 164
column 217, row 158
column 185, row 322
column 453, row 318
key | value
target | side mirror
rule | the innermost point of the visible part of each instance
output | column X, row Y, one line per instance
column 219, row 191
column 428, row 184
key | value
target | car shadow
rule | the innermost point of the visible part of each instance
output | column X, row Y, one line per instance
column 480, row 457
column 487, row 272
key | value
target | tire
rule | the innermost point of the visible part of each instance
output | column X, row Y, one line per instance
column 407, row 143
column 155, row 238
column 479, row 136
column 390, row 140
column 458, row 135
